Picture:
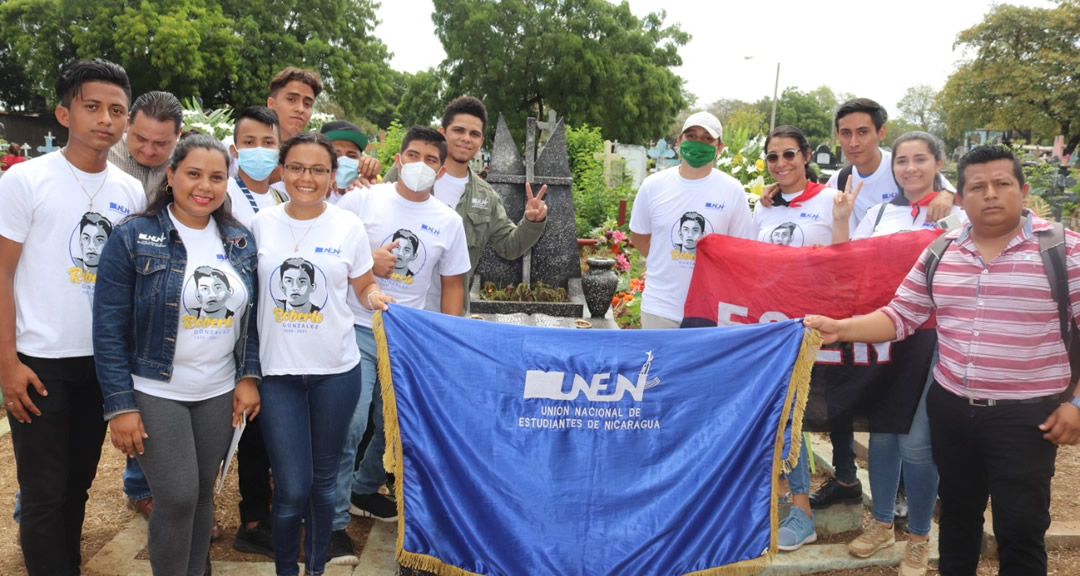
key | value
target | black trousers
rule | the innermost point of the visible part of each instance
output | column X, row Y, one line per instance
column 996, row 452
column 56, row 458
column 253, row 470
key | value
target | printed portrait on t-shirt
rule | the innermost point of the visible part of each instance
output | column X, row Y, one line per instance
column 210, row 298
column 88, row 239
column 213, row 290
column 410, row 254
column 298, row 282
column 690, row 228
column 786, row 234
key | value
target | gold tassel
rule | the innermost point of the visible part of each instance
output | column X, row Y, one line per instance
column 798, row 387
column 392, row 454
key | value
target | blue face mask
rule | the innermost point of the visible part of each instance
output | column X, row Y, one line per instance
column 347, row 170
column 257, row 163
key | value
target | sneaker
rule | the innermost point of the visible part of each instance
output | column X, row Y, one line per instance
column 374, row 506
column 916, row 557
column 144, row 506
column 257, row 540
column 342, row 551
column 833, row 492
column 795, row 530
column 874, row 537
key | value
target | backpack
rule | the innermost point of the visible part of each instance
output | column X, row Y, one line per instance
column 1052, row 250
column 842, row 177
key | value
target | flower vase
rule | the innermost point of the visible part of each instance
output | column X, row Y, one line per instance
column 599, row 285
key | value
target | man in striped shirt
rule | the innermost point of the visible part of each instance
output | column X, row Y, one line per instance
column 999, row 409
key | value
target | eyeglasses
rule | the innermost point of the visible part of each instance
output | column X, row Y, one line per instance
column 773, row 157
column 297, row 170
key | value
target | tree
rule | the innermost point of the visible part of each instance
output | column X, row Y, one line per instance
column 593, row 62
column 423, row 99
column 1023, row 75
column 733, row 115
column 810, row 112
column 223, row 51
column 919, row 107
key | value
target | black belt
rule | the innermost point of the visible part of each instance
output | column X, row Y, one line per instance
column 990, row 402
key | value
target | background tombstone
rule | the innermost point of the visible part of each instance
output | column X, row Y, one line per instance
column 554, row 259
column 823, row 157
column 635, row 162
column 664, row 156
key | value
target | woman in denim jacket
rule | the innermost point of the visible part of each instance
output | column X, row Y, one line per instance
column 175, row 346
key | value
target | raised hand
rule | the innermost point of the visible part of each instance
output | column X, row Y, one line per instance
column 844, row 204
column 768, row 193
column 535, row 207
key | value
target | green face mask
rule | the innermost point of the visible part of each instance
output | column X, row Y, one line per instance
column 697, row 154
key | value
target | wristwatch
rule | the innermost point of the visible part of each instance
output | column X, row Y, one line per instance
column 1075, row 402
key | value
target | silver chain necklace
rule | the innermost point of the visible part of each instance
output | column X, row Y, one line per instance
column 89, row 197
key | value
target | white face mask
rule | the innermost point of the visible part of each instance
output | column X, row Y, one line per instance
column 417, row 176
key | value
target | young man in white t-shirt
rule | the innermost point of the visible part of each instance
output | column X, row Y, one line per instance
column 56, row 211
column 349, row 145
column 677, row 207
column 426, row 240
column 256, row 139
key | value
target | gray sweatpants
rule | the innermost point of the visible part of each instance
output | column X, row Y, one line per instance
column 185, row 446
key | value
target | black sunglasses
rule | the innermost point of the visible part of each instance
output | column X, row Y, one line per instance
column 789, row 155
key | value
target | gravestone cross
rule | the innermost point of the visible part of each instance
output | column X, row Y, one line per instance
column 663, row 154
column 25, row 150
column 48, row 147
column 613, row 163
column 554, row 258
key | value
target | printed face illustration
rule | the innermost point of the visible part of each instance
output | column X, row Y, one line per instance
column 782, row 236
column 297, row 287
column 690, row 232
column 405, row 251
column 212, row 294
column 92, row 239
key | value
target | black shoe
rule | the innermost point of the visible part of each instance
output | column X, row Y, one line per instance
column 833, row 492
column 374, row 506
column 342, row 551
column 256, row 540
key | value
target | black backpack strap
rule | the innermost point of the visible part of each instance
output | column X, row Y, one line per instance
column 880, row 213
column 1052, row 250
column 936, row 251
column 842, row 178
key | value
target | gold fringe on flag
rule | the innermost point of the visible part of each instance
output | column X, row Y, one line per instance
column 794, row 406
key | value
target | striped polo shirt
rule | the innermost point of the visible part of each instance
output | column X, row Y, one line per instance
column 998, row 327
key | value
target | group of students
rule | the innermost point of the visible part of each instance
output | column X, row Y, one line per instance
column 187, row 286
column 988, row 418
column 177, row 287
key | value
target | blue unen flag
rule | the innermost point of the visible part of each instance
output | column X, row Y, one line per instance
column 532, row 451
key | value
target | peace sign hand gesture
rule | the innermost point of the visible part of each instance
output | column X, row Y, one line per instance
column 535, row 207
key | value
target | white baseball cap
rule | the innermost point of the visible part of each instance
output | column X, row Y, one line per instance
column 710, row 123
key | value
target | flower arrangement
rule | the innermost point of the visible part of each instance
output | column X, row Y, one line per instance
column 610, row 238
column 626, row 304
column 744, row 159
column 217, row 123
column 317, row 121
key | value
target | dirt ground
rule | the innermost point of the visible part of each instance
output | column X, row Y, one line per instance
column 107, row 513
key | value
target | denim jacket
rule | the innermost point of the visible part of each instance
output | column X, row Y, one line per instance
column 137, row 310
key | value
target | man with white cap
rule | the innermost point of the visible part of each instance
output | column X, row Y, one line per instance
column 674, row 208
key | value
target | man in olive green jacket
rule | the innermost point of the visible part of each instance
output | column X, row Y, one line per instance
column 479, row 206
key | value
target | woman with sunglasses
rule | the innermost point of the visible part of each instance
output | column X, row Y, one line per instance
column 917, row 159
column 801, row 215
column 175, row 345
column 311, row 253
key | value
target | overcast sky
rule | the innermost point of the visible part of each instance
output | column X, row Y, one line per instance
column 867, row 48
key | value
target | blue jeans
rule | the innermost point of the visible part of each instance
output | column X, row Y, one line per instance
column 887, row 451
column 365, row 340
column 135, row 485
column 304, row 420
column 799, row 478
column 371, row 475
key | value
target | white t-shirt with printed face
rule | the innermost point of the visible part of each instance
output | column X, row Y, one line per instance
column 212, row 304
column 44, row 208
column 809, row 224
column 305, row 323
column 241, row 205
column 877, row 187
column 429, row 234
column 677, row 213
column 449, row 190
column 896, row 217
